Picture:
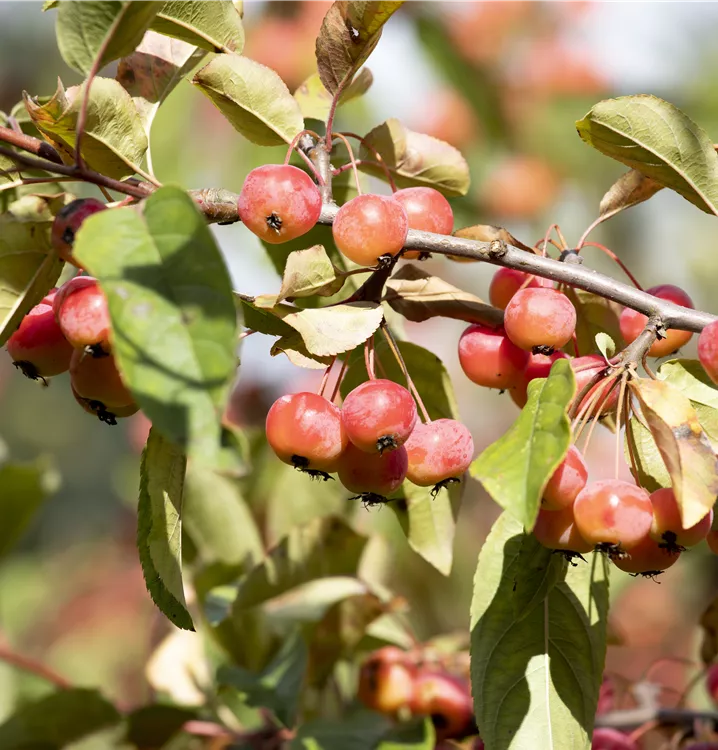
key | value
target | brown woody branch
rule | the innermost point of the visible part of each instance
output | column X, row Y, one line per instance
column 633, row 718
column 30, row 144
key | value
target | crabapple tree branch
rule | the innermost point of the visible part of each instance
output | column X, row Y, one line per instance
column 30, row 144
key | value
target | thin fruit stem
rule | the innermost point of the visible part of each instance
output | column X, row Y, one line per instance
column 598, row 404
column 340, row 377
column 26, row 664
column 652, row 375
column 310, row 163
column 629, row 443
column 546, row 239
column 561, row 237
column 593, row 225
column 619, row 415
column 400, row 359
column 333, row 109
column 636, row 734
column 104, row 192
column 588, row 403
column 617, row 260
column 244, row 334
column 379, row 158
column 325, row 377
column 351, row 159
column 369, row 358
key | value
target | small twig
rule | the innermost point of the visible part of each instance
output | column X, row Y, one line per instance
column 593, row 225
column 616, row 259
column 369, row 358
column 635, row 352
column 340, row 377
column 310, row 163
column 30, row 144
column 325, row 377
column 379, row 158
column 352, row 160
column 26, row 664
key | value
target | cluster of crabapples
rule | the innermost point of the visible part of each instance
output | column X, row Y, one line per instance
column 400, row 683
column 70, row 330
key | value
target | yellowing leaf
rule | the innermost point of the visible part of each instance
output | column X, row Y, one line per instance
column 630, row 188
column 640, row 448
column 416, row 159
column 683, row 444
column 293, row 346
column 114, row 141
column 254, row 99
column 347, row 37
column 418, row 296
column 214, row 25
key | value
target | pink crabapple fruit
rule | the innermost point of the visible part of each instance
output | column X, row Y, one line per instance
column 369, row 227
column 712, row 682
column 305, row 430
column 540, row 319
column 98, row 379
column 538, row 366
column 566, row 482
column 647, row 557
column 427, row 210
column 489, row 358
column 438, row 451
column 81, row 312
column 386, row 681
column 447, row 700
column 372, row 476
column 667, row 527
column 279, row 202
column 712, row 541
column 613, row 514
column 67, row 223
column 708, row 350
column 99, row 410
column 38, row 347
column 379, row 415
column 632, row 322
column 556, row 529
column 507, row 281
column 606, row 738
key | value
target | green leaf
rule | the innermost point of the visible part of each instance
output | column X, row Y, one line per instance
column 264, row 320
column 418, row 734
column 657, row 139
column 359, row 731
column 103, row 31
column 685, row 448
column 427, row 371
column 689, row 377
column 650, row 470
column 254, row 99
column 278, row 686
column 515, row 469
column 315, row 101
column 297, row 353
column 28, row 267
column 151, row 72
column 154, row 725
column 419, row 296
column 214, row 25
column 332, row 330
column 217, row 519
column 595, row 315
column 535, row 680
column 538, row 571
column 430, row 522
column 350, row 31
column 324, row 547
column 174, row 340
column 57, row 720
column 23, row 489
column 416, row 159
column 159, row 527
column 50, row 5
column 115, row 140
column 605, row 345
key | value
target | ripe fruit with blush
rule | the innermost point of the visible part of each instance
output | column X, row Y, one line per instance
column 708, row 350
column 712, row 682
column 305, row 430
column 507, row 281
column 279, row 202
column 447, row 700
column 68, row 221
column 369, row 227
column 489, row 358
column 632, row 322
column 646, row 557
column 98, row 379
column 566, row 482
column 427, row 210
column 538, row 366
column 667, row 527
column 386, row 681
column 712, row 541
column 81, row 312
column 375, row 475
column 556, row 529
column 379, row 415
column 438, row 451
column 606, row 738
column 38, row 347
column 612, row 512
column 540, row 320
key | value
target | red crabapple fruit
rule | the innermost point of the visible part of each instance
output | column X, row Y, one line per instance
column 708, row 350
column 667, row 527
column 81, row 312
column 556, row 529
column 489, row 358
column 98, row 379
column 369, row 227
column 67, row 222
column 712, row 541
column 566, row 482
column 632, row 322
column 603, row 395
column 306, row 431
column 379, row 415
column 712, row 682
column 279, row 202
column 447, row 700
column 386, row 681
column 99, row 410
column 647, row 557
column 613, row 513
column 38, row 347
column 438, row 451
column 427, row 210
column 372, row 476
column 605, row 738
column 540, row 319
column 538, row 366
column 507, row 281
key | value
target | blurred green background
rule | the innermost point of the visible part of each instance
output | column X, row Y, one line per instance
column 504, row 82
